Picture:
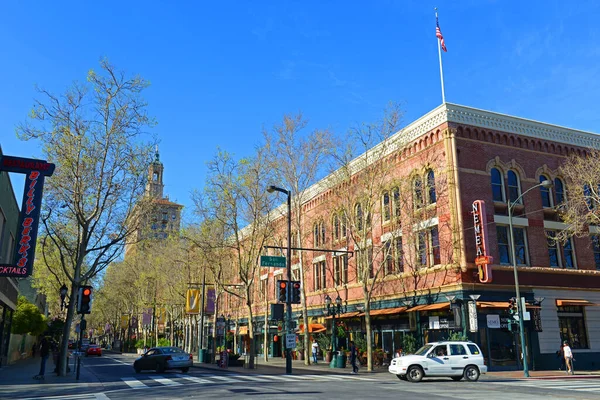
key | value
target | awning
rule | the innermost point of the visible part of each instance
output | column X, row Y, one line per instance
column 500, row 304
column 573, row 302
column 351, row 314
column 312, row 328
column 243, row 330
column 429, row 307
column 386, row 311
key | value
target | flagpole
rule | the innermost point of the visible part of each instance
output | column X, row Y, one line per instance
column 440, row 57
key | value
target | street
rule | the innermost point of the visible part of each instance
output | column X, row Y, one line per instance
column 112, row 377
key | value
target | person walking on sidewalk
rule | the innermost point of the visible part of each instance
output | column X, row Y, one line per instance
column 560, row 355
column 315, row 350
column 568, row 357
column 353, row 355
column 44, row 353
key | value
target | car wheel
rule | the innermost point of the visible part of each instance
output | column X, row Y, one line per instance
column 471, row 373
column 185, row 370
column 159, row 367
column 402, row 377
column 414, row 373
column 456, row 378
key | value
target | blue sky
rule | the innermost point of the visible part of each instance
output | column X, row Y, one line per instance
column 223, row 71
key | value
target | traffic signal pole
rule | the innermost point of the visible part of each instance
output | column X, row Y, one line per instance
column 81, row 328
column 288, row 311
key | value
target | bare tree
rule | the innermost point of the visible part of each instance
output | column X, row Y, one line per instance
column 235, row 197
column 298, row 159
column 92, row 134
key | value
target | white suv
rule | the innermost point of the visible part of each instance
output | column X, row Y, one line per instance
column 453, row 359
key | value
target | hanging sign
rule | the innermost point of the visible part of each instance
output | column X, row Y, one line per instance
column 482, row 260
column 35, row 171
column 192, row 301
column 473, row 316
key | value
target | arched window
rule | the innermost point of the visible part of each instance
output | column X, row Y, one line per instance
column 418, row 192
column 385, row 207
column 336, row 227
column 497, row 185
column 514, row 187
column 431, row 197
column 396, row 200
column 316, row 236
column 545, row 192
column 358, row 213
column 587, row 194
column 323, row 233
column 559, row 191
column 343, row 225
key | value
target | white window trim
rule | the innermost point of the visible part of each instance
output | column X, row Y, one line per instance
column 556, row 226
column 279, row 272
column 425, row 224
column 342, row 251
column 317, row 259
column 264, row 276
column 516, row 221
column 594, row 229
column 391, row 235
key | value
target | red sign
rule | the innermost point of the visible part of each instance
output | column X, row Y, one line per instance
column 35, row 171
column 482, row 260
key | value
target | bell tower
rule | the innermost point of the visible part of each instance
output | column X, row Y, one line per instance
column 155, row 186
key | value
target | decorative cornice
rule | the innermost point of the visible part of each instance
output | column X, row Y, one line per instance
column 519, row 126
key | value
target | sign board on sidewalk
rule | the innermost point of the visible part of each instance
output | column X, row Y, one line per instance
column 272, row 261
column 290, row 341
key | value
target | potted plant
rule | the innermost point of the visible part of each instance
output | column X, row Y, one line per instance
column 300, row 348
column 324, row 342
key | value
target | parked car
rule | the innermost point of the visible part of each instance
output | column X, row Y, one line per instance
column 160, row 359
column 93, row 350
column 453, row 359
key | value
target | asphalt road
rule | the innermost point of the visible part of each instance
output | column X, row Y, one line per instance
column 112, row 377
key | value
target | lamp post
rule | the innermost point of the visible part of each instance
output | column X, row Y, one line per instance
column 332, row 310
column 546, row 184
column 288, row 309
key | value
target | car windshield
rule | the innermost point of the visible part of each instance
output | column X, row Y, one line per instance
column 171, row 350
column 423, row 350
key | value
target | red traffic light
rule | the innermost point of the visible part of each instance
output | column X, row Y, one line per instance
column 87, row 292
column 282, row 284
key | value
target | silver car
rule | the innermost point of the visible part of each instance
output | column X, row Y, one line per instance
column 160, row 359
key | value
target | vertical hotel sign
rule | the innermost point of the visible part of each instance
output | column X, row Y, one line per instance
column 35, row 172
column 482, row 260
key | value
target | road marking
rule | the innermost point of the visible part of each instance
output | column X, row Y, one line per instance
column 328, row 377
column 134, row 383
column 252, row 378
column 193, row 378
column 119, row 361
column 101, row 396
column 164, row 381
column 280, row 378
column 223, row 378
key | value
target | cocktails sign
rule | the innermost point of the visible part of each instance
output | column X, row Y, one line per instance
column 35, row 171
column 482, row 260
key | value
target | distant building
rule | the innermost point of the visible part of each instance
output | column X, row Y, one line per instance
column 9, row 288
column 165, row 218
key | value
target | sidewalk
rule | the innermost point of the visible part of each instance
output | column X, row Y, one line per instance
column 23, row 371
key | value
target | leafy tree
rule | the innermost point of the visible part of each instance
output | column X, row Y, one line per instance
column 28, row 319
column 92, row 133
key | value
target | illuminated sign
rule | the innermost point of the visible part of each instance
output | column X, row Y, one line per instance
column 482, row 260
column 35, row 171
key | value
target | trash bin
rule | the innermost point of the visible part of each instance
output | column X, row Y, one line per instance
column 203, row 356
column 340, row 360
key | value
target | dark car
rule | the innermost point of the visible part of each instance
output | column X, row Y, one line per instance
column 160, row 359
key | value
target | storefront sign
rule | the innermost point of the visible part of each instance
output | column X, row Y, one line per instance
column 434, row 322
column 482, row 260
column 473, row 316
column 537, row 319
column 493, row 321
column 35, row 171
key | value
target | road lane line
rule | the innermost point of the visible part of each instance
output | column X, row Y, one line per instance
column 252, row 378
column 193, row 378
column 222, row 378
column 134, row 383
column 101, row 396
column 164, row 381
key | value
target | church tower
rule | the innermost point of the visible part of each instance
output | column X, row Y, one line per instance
column 155, row 186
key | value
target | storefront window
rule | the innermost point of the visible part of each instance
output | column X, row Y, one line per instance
column 571, row 322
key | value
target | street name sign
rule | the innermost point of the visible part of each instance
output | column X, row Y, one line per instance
column 272, row 261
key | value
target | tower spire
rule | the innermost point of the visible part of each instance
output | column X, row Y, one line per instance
column 156, row 155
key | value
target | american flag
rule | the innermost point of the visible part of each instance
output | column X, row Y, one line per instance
column 438, row 33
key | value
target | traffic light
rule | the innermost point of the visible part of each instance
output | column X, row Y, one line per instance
column 84, row 300
column 296, row 292
column 513, row 307
column 283, row 291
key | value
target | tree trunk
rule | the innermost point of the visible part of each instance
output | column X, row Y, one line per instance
column 369, row 335
column 250, row 336
column 64, row 343
column 306, row 338
column 266, row 335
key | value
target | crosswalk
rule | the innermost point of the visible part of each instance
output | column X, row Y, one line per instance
column 206, row 379
column 579, row 385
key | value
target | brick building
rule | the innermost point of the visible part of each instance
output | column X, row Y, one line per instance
column 451, row 157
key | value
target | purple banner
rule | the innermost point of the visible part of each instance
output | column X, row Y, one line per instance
column 147, row 317
column 209, row 306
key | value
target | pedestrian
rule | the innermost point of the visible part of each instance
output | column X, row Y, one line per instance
column 560, row 355
column 568, row 357
column 398, row 353
column 315, row 350
column 44, row 353
column 353, row 355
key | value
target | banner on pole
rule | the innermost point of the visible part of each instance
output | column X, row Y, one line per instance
column 192, row 301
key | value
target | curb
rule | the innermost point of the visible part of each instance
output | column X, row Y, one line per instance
column 556, row 377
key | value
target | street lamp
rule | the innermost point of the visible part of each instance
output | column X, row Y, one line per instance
column 545, row 184
column 288, row 310
column 332, row 311
column 63, row 294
